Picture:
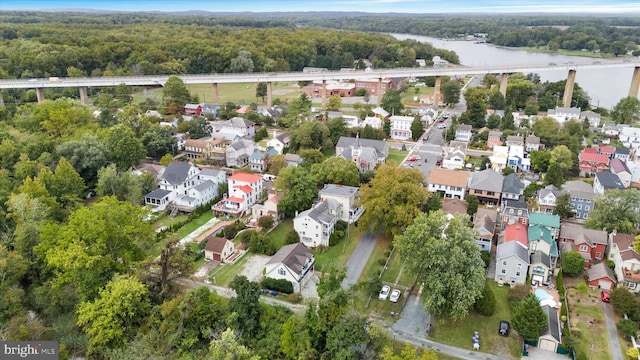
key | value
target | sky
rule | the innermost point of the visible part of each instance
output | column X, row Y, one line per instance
column 375, row 6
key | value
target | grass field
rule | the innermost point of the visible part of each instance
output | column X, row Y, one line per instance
column 336, row 256
column 459, row 333
column 279, row 234
column 587, row 323
column 397, row 155
column 225, row 273
column 239, row 94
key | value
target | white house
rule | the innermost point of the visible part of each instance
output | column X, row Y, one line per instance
column 293, row 262
column 401, row 127
column 463, row 132
column 455, row 155
column 620, row 168
column 592, row 117
column 630, row 137
column 244, row 191
column 450, row 184
column 238, row 153
column 372, row 121
column 499, row 157
column 351, row 121
column 626, row 260
column 564, row 114
column 347, row 196
column 315, row 226
column 512, row 263
column 279, row 141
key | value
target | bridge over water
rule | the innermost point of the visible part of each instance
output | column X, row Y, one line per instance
column 214, row 79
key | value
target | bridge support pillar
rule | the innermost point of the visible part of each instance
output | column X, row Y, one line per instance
column 83, row 95
column 40, row 94
column 568, row 89
column 216, row 97
column 1, row 99
column 269, row 95
column 503, row 84
column 323, row 95
column 379, row 94
column 436, row 92
column 635, row 82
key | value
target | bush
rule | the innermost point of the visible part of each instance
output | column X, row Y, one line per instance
column 261, row 244
column 486, row 257
column 387, row 253
column 320, row 249
column 382, row 261
column 582, row 288
column 517, row 293
column 295, row 298
column 572, row 263
column 245, row 237
column 628, row 327
column 265, row 222
column 279, row 285
column 486, row 304
column 292, row 238
column 623, row 301
column 560, row 284
column 230, row 231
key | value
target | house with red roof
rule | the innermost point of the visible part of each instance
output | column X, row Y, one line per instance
column 244, row 191
column 607, row 150
column 515, row 232
column 591, row 162
column 591, row 244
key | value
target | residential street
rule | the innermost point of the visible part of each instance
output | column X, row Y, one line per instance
column 358, row 259
column 612, row 332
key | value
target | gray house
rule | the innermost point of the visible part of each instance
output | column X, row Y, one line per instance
column 512, row 188
column 581, row 198
column 512, row 263
column 366, row 153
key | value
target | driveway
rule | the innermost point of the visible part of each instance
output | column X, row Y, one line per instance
column 413, row 318
column 359, row 257
column 537, row 354
column 612, row 332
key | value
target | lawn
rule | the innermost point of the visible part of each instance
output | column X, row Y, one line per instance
column 224, row 273
column 153, row 250
column 336, row 256
column 239, row 94
column 412, row 96
column 397, row 155
column 459, row 333
column 279, row 234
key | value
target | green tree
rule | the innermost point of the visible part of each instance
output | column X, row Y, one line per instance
column 408, row 353
column 311, row 135
column 337, row 129
column 392, row 101
column 310, row 157
column 476, row 107
column 349, row 334
column 336, row 170
column 507, row 171
column 486, row 303
column 540, row 160
column 300, row 189
column 334, row 103
column 228, row 347
column 563, row 206
column 443, row 254
column 626, row 111
column 277, row 163
column 616, row 209
column 434, row 203
column 496, row 101
column 158, row 141
column 65, row 184
column 529, row 320
column 472, row 204
column 562, row 156
column 124, row 185
column 554, row 175
column 572, row 263
column 96, row 243
column 392, row 199
column 245, row 307
column 261, row 90
column 175, row 91
column 623, row 301
column 451, row 92
column 628, row 327
column 114, row 316
column 417, row 129
column 87, row 155
column 295, row 341
column 125, row 148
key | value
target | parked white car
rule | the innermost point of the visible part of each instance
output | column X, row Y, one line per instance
column 384, row 293
column 395, row 295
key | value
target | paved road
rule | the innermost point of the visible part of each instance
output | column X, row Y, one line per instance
column 359, row 258
column 612, row 332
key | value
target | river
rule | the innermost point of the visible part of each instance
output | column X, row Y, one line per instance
column 605, row 87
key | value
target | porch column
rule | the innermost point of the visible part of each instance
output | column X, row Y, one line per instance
column 635, row 82
column 269, row 95
column 40, row 94
column 216, row 97
column 436, row 92
column 503, row 84
column 568, row 89
column 83, row 95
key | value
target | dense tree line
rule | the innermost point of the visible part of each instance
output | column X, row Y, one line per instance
column 52, row 45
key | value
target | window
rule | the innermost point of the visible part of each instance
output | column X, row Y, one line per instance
column 534, row 245
column 632, row 285
column 490, row 193
column 504, row 263
column 504, row 271
column 583, row 247
column 518, row 273
column 587, row 207
column 519, row 266
column 281, row 272
column 579, row 206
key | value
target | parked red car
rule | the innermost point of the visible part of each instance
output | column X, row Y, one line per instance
column 604, row 295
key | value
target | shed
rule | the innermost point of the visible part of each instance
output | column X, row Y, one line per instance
column 551, row 337
column 218, row 249
column 601, row 277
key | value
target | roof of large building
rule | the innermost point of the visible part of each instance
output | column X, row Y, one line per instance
column 618, row 166
column 593, row 157
column 512, row 248
column 293, row 256
column 338, row 190
column 176, row 172
column 517, row 233
column 488, row 180
column 609, row 180
column 379, row 145
column 548, row 220
column 246, row 177
column 580, row 234
column 579, row 189
column 448, row 177
column 512, row 184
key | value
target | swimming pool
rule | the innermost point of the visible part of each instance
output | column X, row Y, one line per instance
column 543, row 295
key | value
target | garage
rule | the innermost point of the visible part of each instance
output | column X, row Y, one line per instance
column 605, row 284
column 547, row 344
column 601, row 277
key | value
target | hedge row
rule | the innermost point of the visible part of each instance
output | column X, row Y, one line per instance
column 279, row 285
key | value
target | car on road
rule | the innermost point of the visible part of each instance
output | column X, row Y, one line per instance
column 503, row 329
column 439, row 161
column 395, row 295
column 412, row 158
column 442, row 126
column 441, row 120
column 605, row 296
column 384, row 293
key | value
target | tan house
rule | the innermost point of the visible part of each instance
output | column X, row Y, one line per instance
column 270, row 207
column 450, row 184
column 218, row 249
column 205, row 149
column 626, row 260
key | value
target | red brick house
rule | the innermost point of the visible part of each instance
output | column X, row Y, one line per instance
column 591, row 162
column 591, row 244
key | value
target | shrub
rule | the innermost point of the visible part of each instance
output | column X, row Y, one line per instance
column 623, row 301
column 382, row 261
column 295, row 298
column 628, row 327
column 387, row 253
column 245, row 237
column 320, row 249
column 279, row 285
column 517, row 293
column 265, row 222
column 486, row 257
column 572, row 263
column 230, row 231
column 486, row 304
column 292, row 237
column 582, row 288
column 261, row 244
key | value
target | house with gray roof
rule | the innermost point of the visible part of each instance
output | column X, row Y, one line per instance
column 540, row 268
column 348, row 197
column 243, row 127
column 532, row 143
column 292, row 159
column 463, row 132
column 622, row 153
column 258, row 161
column 547, row 198
column 238, row 153
column 514, row 140
column 485, row 225
column 514, row 212
column 512, row 187
column 551, row 337
column 512, row 263
column 293, row 262
column 366, row 153
column 591, row 116
column 563, row 114
column 315, row 225
column 606, row 180
column 590, row 243
column 279, row 141
column 486, row 185
column 626, row 260
column 581, row 198
column 600, row 276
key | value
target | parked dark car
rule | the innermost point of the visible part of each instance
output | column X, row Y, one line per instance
column 504, row 328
